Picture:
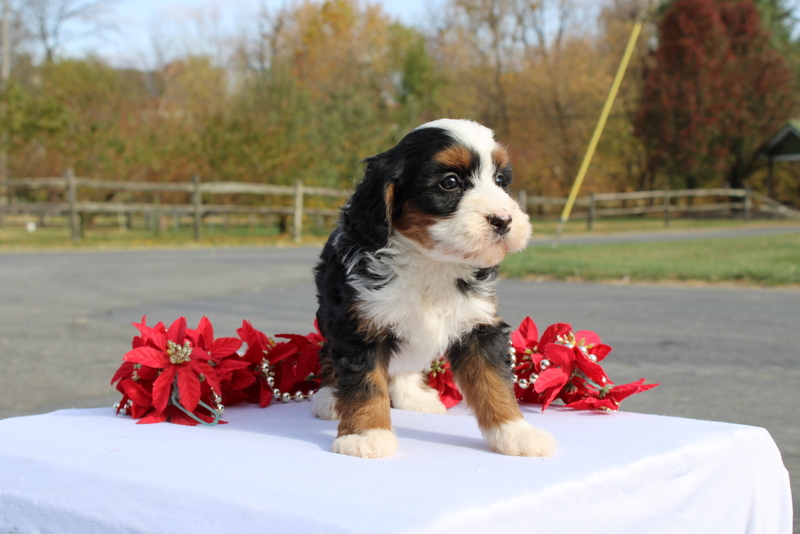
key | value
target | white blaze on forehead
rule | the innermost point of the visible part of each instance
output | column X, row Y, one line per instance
column 486, row 196
column 469, row 133
column 475, row 137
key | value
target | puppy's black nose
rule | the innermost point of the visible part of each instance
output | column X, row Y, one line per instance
column 500, row 223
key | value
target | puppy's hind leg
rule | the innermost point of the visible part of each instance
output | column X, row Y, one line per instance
column 323, row 403
column 480, row 366
column 409, row 391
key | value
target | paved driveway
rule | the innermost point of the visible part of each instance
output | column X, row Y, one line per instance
column 720, row 353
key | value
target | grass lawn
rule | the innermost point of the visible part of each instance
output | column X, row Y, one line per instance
column 767, row 260
column 58, row 238
column 770, row 260
column 617, row 225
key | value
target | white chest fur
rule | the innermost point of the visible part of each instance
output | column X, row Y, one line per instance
column 422, row 304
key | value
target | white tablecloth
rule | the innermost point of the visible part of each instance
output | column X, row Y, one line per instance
column 270, row 470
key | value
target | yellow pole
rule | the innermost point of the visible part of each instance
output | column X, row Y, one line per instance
column 601, row 123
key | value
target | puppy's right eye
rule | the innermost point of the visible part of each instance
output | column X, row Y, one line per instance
column 449, row 182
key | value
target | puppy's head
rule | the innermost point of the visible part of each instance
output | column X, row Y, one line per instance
column 445, row 188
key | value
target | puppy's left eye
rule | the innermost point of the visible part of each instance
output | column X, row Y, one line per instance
column 500, row 180
column 449, row 182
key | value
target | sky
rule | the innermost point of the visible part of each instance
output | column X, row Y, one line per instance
column 141, row 27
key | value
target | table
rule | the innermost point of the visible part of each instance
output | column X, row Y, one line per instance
column 270, row 470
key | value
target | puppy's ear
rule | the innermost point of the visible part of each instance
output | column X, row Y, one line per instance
column 368, row 216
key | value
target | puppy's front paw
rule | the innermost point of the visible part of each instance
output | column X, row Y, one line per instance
column 520, row 438
column 323, row 404
column 374, row 443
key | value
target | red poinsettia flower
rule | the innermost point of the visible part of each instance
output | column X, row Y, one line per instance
column 284, row 369
column 316, row 336
column 135, row 382
column 299, row 370
column 258, row 346
column 137, row 397
column 526, row 336
column 577, row 389
column 589, row 351
column 440, row 378
column 257, row 342
column 529, row 352
column 232, row 370
column 173, row 374
column 564, row 365
column 526, row 341
column 556, row 370
column 181, row 363
column 610, row 397
column 203, row 337
column 591, row 343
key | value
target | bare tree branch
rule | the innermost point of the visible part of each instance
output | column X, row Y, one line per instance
column 51, row 21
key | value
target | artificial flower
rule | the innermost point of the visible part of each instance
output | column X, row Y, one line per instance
column 179, row 363
column 286, row 369
column 564, row 365
column 440, row 378
column 609, row 397
column 232, row 370
column 176, row 374
column 299, row 369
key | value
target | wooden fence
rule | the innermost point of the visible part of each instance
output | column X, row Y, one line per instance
column 667, row 203
column 73, row 207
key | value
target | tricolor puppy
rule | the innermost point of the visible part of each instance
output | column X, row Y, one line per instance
column 410, row 274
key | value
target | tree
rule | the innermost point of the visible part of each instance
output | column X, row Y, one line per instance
column 763, row 98
column 780, row 22
column 528, row 71
column 621, row 158
column 51, row 21
column 715, row 90
column 330, row 83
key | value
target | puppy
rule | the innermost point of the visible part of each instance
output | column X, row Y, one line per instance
column 410, row 274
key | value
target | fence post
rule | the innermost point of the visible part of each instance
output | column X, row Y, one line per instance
column 523, row 200
column 72, row 200
column 592, row 211
column 5, row 197
column 157, row 214
column 748, row 203
column 298, row 211
column 666, row 208
column 197, row 201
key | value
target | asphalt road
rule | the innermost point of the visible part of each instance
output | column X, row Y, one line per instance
column 725, row 354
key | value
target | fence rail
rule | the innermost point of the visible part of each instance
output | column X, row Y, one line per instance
column 667, row 202
column 71, row 205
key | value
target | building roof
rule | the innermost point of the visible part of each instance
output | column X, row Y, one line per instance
column 784, row 145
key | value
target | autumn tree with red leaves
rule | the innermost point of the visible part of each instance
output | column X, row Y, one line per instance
column 716, row 89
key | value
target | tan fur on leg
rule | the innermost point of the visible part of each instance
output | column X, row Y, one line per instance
column 365, row 428
column 501, row 422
